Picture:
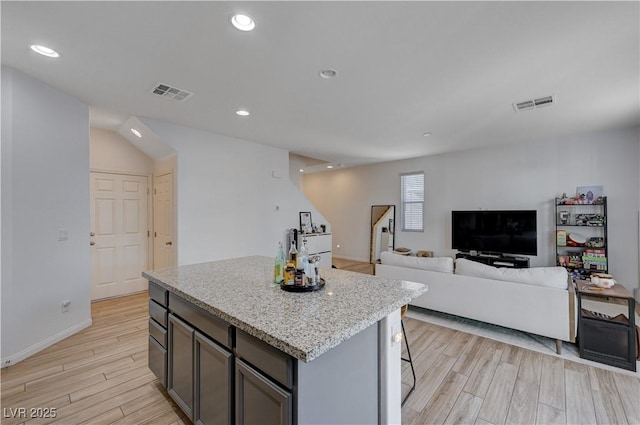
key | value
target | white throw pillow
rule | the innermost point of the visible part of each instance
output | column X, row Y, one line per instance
column 436, row 264
column 553, row 277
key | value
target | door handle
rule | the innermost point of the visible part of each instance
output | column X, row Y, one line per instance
column 168, row 243
column 92, row 234
column 92, row 243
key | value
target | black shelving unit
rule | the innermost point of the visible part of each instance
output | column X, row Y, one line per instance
column 589, row 220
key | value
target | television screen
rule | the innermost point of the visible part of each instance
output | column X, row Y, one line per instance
column 504, row 232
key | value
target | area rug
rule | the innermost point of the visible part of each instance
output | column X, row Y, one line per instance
column 510, row 336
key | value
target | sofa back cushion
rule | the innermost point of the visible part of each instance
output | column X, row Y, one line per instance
column 553, row 277
column 436, row 264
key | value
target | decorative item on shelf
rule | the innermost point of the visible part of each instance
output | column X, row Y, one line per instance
column 424, row 254
column 594, row 259
column 595, row 242
column 323, row 228
column 590, row 194
column 561, row 238
column 564, row 217
column 576, row 239
column 306, row 225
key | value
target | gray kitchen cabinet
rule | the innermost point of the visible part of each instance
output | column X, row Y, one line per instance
column 259, row 400
column 213, row 373
column 180, row 364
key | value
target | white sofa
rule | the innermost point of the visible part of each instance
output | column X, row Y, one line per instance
column 539, row 300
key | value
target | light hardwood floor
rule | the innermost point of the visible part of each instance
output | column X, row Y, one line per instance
column 97, row 376
column 100, row 376
column 464, row 378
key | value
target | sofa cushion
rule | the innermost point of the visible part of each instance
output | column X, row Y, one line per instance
column 436, row 264
column 553, row 277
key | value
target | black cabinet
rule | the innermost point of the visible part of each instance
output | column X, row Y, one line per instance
column 604, row 339
column 213, row 390
column 497, row 260
column 259, row 400
column 180, row 367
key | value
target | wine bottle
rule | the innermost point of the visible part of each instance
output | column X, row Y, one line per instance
column 280, row 265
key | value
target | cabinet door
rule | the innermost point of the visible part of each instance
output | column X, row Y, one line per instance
column 213, row 385
column 180, row 367
column 258, row 400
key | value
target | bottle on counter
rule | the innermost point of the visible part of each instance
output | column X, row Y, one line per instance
column 302, row 262
column 290, row 274
column 280, row 265
column 293, row 253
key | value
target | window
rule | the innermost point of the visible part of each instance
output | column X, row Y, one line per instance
column 412, row 202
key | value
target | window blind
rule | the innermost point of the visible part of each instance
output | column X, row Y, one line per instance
column 412, row 190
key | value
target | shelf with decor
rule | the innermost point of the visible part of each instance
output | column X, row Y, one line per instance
column 581, row 236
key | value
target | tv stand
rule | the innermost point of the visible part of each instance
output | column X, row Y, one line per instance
column 497, row 260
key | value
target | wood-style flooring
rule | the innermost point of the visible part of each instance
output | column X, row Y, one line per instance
column 100, row 376
column 467, row 379
column 97, row 376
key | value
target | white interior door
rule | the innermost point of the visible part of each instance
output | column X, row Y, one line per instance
column 119, row 234
column 163, row 221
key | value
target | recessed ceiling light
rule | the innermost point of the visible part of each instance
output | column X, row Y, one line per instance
column 329, row 166
column 242, row 112
column 301, row 170
column 44, row 51
column 427, row 134
column 243, row 22
column 328, row 74
column 136, row 132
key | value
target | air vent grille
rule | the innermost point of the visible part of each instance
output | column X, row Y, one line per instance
column 174, row 93
column 528, row 105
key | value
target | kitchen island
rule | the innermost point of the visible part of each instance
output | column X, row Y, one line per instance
column 232, row 347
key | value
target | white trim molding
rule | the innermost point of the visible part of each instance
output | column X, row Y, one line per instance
column 30, row 351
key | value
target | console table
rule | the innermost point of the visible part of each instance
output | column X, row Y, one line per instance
column 497, row 260
column 602, row 338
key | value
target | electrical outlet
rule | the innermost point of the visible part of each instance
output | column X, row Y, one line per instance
column 66, row 305
column 63, row 234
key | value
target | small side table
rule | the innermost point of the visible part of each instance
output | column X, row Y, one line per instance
column 604, row 340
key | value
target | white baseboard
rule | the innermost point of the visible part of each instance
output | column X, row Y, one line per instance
column 30, row 351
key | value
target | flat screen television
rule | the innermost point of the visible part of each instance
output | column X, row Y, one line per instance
column 500, row 232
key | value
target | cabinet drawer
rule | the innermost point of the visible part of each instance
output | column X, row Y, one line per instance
column 270, row 360
column 158, row 361
column 158, row 313
column 158, row 332
column 217, row 329
column 158, row 294
column 319, row 243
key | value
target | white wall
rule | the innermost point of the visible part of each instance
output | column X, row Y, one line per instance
column 110, row 152
column 45, row 187
column 228, row 195
column 514, row 177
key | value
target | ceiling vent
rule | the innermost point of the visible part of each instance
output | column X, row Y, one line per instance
column 527, row 105
column 171, row 92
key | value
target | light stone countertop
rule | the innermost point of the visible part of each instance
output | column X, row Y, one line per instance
column 305, row 325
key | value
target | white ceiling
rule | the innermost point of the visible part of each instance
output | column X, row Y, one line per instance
column 405, row 68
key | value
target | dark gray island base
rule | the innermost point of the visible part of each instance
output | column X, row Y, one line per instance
column 291, row 365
